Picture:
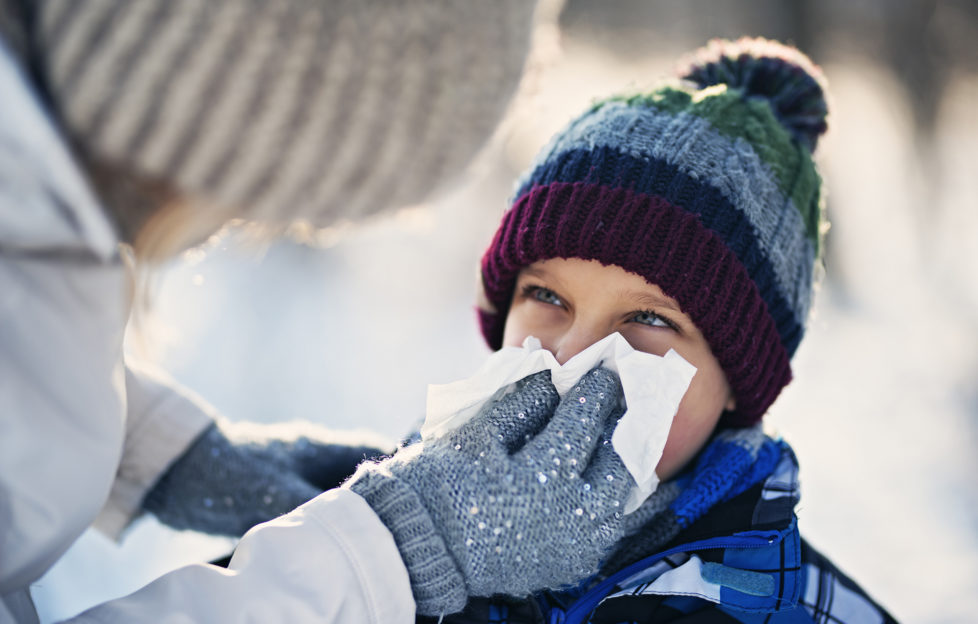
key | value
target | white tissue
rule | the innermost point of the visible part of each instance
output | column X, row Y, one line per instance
column 653, row 387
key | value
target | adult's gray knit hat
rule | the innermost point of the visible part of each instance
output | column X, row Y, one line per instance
column 318, row 109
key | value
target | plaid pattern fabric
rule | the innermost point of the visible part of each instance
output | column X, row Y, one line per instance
column 731, row 463
column 831, row 597
column 743, row 561
column 757, row 569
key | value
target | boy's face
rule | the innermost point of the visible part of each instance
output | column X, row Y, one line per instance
column 569, row 304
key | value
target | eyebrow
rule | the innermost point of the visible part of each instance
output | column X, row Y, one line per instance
column 650, row 300
column 640, row 298
column 542, row 275
column 529, row 270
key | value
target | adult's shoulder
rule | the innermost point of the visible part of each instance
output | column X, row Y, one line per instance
column 46, row 205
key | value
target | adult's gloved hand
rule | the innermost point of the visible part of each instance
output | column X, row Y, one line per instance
column 237, row 475
column 525, row 496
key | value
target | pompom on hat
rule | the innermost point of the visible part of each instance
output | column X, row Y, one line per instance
column 706, row 188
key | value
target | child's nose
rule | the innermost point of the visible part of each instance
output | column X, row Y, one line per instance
column 575, row 340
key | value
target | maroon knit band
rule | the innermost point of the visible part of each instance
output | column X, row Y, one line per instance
column 662, row 243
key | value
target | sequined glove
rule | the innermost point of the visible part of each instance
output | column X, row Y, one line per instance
column 237, row 475
column 527, row 495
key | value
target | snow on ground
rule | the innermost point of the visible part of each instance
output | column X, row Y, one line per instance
column 883, row 413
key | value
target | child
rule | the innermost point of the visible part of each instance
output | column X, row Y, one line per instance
column 687, row 218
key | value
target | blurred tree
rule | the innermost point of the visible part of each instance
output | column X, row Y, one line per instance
column 923, row 42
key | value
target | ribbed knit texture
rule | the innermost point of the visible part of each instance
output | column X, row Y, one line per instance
column 710, row 193
column 284, row 107
column 436, row 581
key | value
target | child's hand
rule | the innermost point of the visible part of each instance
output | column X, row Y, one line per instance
column 526, row 496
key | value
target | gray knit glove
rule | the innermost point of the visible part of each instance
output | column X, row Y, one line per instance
column 528, row 495
column 235, row 476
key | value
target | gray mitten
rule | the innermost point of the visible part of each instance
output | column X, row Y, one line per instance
column 237, row 475
column 528, row 495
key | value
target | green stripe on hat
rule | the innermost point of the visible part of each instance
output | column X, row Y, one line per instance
column 753, row 121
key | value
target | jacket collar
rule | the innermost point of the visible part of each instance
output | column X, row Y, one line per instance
column 744, row 554
column 45, row 202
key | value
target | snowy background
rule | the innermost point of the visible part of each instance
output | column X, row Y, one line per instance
column 883, row 412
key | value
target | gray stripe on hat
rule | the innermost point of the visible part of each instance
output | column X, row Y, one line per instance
column 177, row 107
column 441, row 119
column 409, row 92
column 357, row 154
column 242, row 160
column 70, row 42
column 433, row 103
column 173, row 90
column 56, row 20
column 90, row 58
column 175, row 37
column 222, row 102
column 113, row 113
column 730, row 165
column 292, row 115
column 338, row 89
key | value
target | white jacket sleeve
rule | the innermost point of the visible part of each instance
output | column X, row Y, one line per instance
column 63, row 423
column 63, row 307
column 61, row 406
column 162, row 419
column 331, row 560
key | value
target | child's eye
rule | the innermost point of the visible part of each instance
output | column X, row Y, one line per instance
column 652, row 319
column 543, row 295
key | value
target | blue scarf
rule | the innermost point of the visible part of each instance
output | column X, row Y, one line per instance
column 733, row 461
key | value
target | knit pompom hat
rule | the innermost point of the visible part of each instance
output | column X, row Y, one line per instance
column 706, row 188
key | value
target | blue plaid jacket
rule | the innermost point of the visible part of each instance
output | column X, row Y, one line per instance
column 744, row 561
